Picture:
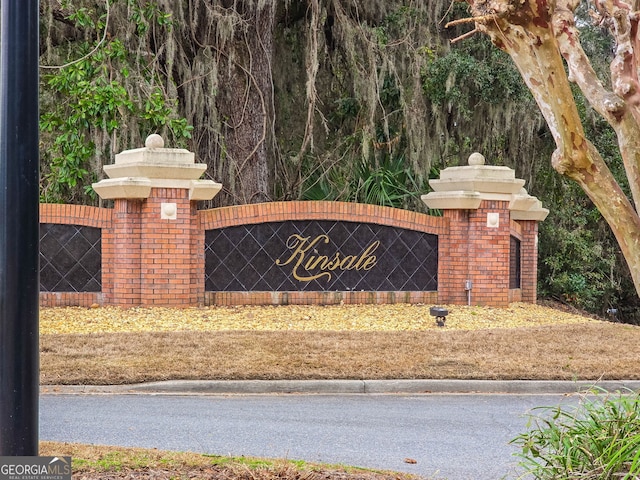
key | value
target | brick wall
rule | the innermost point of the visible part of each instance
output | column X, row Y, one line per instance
column 74, row 215
column 149, row 260
column 319, row 210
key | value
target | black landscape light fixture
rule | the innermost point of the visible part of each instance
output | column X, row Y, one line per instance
column 440, row 314
column 19, row 228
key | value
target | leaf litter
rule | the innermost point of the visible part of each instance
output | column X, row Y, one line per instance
column 374, row 318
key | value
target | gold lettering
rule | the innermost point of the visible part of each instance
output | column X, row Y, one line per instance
column 335, row 263
column 301, row 246
column 347, row 262
column 303, row 262
column 367, row 257
column 369, row 263
column 313, row 262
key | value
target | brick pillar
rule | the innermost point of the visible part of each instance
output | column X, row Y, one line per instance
column 168, row 262
column 480, row 202
column 476, row 249
column 198, row 255
column 121, row 255
column 489, row 245
column 529, row 257
column 154, row 252
column 453, row 258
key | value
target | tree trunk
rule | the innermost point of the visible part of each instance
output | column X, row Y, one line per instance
column 245, row 105
column 537, row 34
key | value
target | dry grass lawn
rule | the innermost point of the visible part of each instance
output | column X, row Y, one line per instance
column 117, row 346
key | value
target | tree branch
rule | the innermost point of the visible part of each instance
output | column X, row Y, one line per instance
column 94, row 50
column 464, row 36
column 618, row 113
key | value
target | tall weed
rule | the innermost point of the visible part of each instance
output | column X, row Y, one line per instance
column 598, row 439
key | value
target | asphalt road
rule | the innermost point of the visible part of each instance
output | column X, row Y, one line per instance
column 457, row 437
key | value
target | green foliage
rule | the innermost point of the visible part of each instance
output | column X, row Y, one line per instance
column 394, row 25
column 147, row 15
column 376, row 170
column 89, row 100
column 578, row 263
column 92, row 99
column 579, row 259
column 599, row 439
column 597, row 42
column 471, row 73
column 388, row 182
column 346, row 108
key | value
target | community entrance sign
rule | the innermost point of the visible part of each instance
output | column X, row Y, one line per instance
column 156, row 248
column 320, row 256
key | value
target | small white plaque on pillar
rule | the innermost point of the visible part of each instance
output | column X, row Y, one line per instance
column 493, row 220
column 169, row 211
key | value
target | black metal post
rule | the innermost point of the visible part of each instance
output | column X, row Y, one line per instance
column 19, row 228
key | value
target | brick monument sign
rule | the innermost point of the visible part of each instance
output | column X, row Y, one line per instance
column 154, row 247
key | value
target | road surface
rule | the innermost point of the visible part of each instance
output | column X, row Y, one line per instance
column 456, row 437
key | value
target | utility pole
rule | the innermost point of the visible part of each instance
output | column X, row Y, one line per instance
column 19, row 228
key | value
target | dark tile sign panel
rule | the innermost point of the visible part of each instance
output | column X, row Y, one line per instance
column 320, row 256
column 70, row 258
column 514, row 263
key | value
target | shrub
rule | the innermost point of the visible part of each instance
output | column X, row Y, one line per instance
column 597, row 439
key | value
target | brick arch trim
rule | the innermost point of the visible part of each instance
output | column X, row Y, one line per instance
column 83, row 215
column 321, row 210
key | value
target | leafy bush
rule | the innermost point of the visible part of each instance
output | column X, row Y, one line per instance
column 471, row 73
column 576, row 265
column 580, row 261
column 99, row 98
column 599, row 439
column 389, row 183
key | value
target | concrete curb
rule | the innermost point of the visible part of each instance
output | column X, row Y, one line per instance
column 215, row 387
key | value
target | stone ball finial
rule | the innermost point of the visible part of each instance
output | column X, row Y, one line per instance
column 476, row 159
column 154, row 141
